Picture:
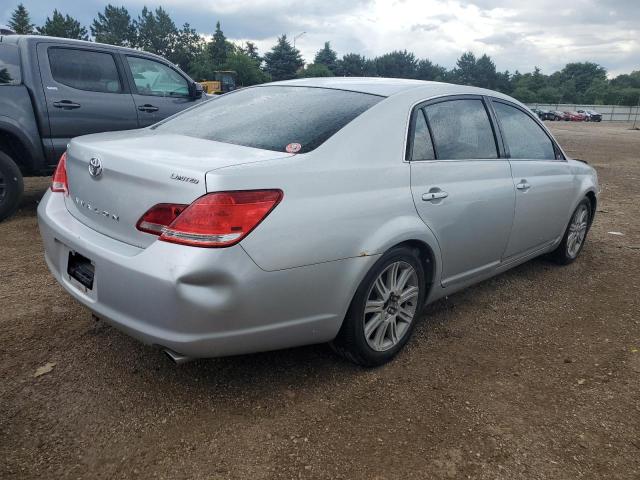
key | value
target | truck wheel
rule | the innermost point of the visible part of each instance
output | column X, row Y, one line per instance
column 11, row 186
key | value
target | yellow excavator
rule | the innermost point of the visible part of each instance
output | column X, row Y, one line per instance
column 225, row 81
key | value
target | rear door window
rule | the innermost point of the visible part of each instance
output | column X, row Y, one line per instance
column 85, row 70
column 422, row 148
column 461, row 130
column 10, row 73
column 279, row 118
column 524, row 137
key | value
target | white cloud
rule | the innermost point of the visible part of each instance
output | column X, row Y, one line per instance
column 518, row 34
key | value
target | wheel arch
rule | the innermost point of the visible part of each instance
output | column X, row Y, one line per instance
column 15, row 144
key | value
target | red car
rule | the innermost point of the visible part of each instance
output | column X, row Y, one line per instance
column 574, row 116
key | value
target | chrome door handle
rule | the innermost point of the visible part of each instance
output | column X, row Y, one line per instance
column 428, row 197
column 523, row 185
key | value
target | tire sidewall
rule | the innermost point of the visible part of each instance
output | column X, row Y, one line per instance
column 14, row 186
column 562, row 253
column 355, row 316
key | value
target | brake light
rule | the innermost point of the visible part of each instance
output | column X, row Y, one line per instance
column 59, row 182
column 159, row 217
column 218, row 219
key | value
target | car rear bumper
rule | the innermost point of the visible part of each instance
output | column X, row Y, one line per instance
column 199, row 302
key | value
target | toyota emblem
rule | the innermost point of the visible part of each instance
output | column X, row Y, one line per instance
column 95, row 167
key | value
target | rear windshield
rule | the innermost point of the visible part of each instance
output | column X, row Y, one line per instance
column 9, row 65
column 283, row 119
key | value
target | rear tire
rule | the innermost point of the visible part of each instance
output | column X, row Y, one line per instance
column 11, row 186
column 384, row 310
column 575, row 235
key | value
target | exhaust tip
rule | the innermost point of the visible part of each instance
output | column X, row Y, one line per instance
column 176, row 358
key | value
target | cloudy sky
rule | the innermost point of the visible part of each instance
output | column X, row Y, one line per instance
column 517, row 34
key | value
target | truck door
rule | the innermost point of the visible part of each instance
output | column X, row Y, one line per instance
column 158, row 90
column 84, row 91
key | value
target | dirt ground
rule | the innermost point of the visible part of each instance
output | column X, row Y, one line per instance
column 534, row 374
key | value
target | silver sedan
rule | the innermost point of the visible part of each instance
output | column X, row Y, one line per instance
column 309, row 211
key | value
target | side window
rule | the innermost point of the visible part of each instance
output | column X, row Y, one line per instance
column 157, row 79
column 422, row 149
column 85, row 70
column 523, row 135
column 10, row 73
column 461, row 130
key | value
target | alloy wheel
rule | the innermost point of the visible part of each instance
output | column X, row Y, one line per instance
column 391, row 306
column 577, row 230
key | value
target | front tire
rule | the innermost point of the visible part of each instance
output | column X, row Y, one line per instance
column 384, row 310
column 575, row 235
column 11, row 186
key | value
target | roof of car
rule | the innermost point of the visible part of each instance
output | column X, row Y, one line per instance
column 387, row 86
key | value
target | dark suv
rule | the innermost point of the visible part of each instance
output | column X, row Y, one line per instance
column 54, row 89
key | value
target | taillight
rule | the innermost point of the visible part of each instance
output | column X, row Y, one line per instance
column 59, row 182
column 159, row 217
column 217, row 219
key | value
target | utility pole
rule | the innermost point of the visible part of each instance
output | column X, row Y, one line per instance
column 295, row 37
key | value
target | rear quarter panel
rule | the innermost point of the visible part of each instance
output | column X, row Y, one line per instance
column 348, row 198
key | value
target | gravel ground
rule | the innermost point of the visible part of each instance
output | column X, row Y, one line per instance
column 534, row 374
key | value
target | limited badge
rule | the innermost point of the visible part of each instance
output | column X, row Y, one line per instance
column 293, row 148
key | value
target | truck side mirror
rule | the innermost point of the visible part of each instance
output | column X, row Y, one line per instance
column 196, row 90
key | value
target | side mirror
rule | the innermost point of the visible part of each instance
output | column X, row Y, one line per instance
column 196, row 90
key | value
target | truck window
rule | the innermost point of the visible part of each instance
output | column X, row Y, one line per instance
column 157, row 79
column 85, row 70
column 10, row 72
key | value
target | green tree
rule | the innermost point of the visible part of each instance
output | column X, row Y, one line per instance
column 20, row 21
column 352, row 65
column 328, row 57
column 219, row 47
column 397, row 64
column 63, row 26
column 548, row 95
column 251, row 51
column 485, row 74
column 114, row 27
column 283, row 61
column 188, row 46
column 579, row 76
column 428, row 70
column 246, row 67
column 524, row 95
column 465, row 71
column 316, row 70
column 503, row 82
column 156, row 32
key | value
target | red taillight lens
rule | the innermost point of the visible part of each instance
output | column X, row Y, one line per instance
column 159, row 217
column 215, row 220
column 59, row 181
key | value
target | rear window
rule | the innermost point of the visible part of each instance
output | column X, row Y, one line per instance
column 85, row 70
column 293, row 119
column 10, row 73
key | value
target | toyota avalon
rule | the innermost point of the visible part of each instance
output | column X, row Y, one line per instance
column 309, row 211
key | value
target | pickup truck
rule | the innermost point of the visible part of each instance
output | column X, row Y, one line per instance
column 54, row 89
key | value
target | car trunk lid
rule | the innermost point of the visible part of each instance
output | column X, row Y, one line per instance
column 133, row 171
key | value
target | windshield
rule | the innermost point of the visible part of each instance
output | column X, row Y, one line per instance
column 279, row 118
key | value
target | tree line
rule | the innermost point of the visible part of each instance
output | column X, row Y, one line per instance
column 154, row 31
